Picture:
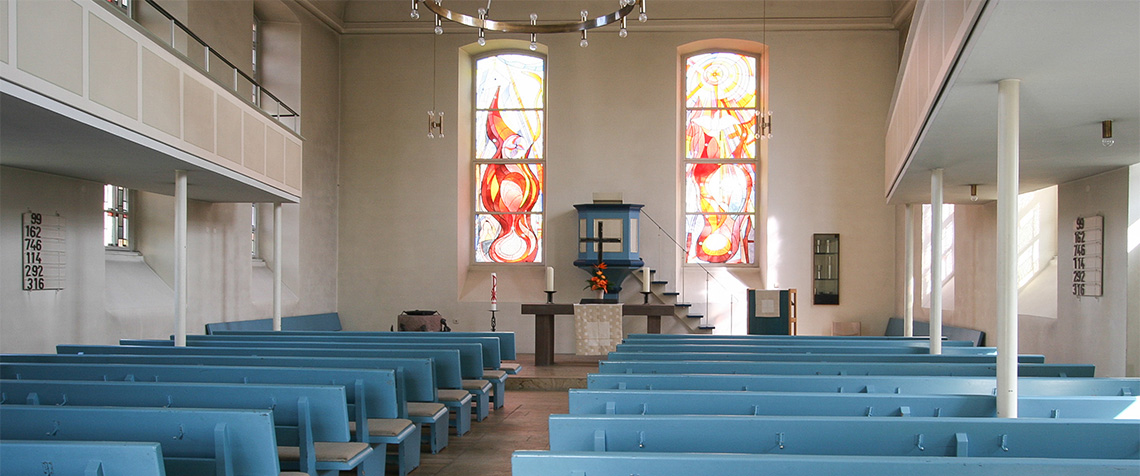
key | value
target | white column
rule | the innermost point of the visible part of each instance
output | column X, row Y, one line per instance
column 936, row 261
column 277, row 266
column 1007, row 178
column 908, row 275
column 180, row 258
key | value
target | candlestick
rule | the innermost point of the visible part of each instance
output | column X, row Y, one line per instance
column 645, row 282
column 646, row 294
column 492, row 320
column 550, row 297
column 549, row 279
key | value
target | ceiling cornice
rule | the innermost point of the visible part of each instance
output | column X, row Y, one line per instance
column 332, row 22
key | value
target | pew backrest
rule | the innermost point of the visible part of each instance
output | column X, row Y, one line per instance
column 714, row 402
column 415, row 378
column 490, row 346
column 570, row 463
column 445, row 361
column 895, row 384
column 328, row 409
column 839, row 368
column 311, row 322
column 799, row 349
column 916, row 436
column 922, row 328
column 836, row 357
column 379, row 386
column 471, row 359
column 87, row 458
column 196, row 441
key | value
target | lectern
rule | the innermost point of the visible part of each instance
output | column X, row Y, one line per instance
column 772, row 312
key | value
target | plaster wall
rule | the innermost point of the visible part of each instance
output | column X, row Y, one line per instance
column 35, row 321
column 613, row 126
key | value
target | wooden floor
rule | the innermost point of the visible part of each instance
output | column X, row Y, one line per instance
column 520, row 425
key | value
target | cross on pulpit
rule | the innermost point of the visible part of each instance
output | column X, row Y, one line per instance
column 600, row 240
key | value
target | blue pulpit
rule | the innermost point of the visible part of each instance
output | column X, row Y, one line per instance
column 609, row 230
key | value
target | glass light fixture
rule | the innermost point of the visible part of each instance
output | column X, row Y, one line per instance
column 1106, row 134
column 973, row 192
column 482, row 22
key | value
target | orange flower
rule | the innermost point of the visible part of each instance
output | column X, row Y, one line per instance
column 600, row 266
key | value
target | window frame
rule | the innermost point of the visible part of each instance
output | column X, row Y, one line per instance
column 124, row 203
column 756, row 162
column 477, row 162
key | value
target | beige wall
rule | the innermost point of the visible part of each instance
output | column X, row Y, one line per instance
column 612, row 127
column 35, row 321
column 1089, row 330
column 219, row 265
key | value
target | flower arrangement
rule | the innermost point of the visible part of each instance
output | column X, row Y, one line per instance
column 598, row 280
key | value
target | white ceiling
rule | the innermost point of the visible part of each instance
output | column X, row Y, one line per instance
column 1079, row 64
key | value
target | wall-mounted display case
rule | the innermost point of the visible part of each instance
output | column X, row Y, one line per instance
column 825, row 268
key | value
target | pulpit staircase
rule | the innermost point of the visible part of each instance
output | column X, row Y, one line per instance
column 695, row 323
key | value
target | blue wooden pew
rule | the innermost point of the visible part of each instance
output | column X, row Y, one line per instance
column 311, row 421
column 491, row 347
column 86, row 458
column 371, row 394
column 194, row 442
column 446, row 362
column 470, row 356
column 415, row 378
column 329, row 321
column 836, row 357
column 578, row 463
column 1035, row 386
column 802, row 349
column 839, row 368
column 755, row 337
column 915, row 436
column 722, row 402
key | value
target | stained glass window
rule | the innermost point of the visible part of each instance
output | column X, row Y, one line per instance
column 721, row 112
column 509, row 158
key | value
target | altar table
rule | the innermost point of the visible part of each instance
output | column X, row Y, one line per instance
column 544, row 323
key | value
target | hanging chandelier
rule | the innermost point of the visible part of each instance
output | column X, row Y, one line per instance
column 483, row 22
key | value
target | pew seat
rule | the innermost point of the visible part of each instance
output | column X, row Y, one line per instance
column 435, row 416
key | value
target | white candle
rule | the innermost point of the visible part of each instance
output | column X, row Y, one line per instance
column 645, row 282
column 550, row 278
column 494, row 290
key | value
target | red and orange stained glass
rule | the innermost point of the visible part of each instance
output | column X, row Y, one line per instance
column 720, row 201
column 720, row 106
column 509, row 153
column 720, row 196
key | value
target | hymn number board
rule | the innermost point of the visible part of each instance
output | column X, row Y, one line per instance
column 1088, row 255
column 42, row 247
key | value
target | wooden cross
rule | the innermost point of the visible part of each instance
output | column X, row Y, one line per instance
column 600, row 240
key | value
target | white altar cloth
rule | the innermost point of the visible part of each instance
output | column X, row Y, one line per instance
column 597, row 328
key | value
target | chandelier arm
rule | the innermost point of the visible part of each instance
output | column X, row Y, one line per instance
column 518, row 27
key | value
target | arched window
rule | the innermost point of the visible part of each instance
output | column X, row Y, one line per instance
column 509, row 157
column 722, row 107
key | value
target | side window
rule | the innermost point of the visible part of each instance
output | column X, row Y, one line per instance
column 510, row 160
column 116, row 217
column 722, row 109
